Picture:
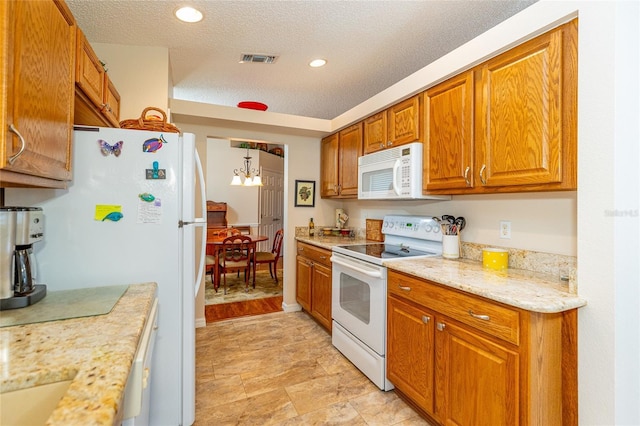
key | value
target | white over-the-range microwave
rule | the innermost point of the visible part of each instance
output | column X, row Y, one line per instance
column 393, row 174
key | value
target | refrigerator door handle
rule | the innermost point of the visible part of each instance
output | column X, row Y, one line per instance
column 201, row 221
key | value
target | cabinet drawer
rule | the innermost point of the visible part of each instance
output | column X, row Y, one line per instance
column 315, row 254
column 491, row 318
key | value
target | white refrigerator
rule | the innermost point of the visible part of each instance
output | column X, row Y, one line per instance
column 129, row 216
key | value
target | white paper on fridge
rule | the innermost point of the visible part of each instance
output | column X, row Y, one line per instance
column 150, row 212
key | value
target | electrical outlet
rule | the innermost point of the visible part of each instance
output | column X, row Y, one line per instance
column 505, row 229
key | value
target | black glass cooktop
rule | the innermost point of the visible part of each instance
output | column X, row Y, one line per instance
column 387, row 251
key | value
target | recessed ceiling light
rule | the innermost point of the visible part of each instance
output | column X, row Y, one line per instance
column 188, row 14
column 317, row 63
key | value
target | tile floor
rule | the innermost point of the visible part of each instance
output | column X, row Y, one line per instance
column 281, row 369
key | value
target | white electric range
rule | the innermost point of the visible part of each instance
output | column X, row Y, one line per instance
column 359, row 289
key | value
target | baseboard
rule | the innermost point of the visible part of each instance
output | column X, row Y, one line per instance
column 294, row 307
column 201, row 322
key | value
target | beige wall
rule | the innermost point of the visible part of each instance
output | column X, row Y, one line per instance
column 141, row 75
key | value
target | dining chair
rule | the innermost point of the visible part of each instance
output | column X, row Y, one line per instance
column 236, row 253
column 271, row 257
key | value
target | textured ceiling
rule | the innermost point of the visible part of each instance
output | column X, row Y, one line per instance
column 369, row 45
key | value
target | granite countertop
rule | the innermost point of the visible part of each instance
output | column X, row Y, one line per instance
column 94, row 352
column 523, row 289
column 327, row 242
column 532, row 291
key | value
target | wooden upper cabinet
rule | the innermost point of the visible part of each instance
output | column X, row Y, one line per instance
column 405, row 122
column 97, row 100
column 508, row 125
column 350, row 150
column 375, row 132
column 448, row 147
column 37, row 57
column 397, row 125
column 89, row 71
column 329, row 159
column 112, row 102
column 526, row 113
column 339, row 163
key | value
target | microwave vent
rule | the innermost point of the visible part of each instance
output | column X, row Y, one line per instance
column 380, row 156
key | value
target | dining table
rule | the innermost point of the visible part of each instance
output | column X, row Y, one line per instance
column 214, row 248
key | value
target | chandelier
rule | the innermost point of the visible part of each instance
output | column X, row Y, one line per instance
column 246, row 173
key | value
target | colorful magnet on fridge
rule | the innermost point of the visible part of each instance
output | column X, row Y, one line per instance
column 153, row 144
column 156, row 173
column 106, row 149
column 113, row 216
column 147, row 197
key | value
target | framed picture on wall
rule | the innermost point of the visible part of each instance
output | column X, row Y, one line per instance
column 305, row 193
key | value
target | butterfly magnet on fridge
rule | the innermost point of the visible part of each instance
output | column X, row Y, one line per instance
column 106, row 149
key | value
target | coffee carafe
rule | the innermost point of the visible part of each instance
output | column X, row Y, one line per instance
column 20, row 228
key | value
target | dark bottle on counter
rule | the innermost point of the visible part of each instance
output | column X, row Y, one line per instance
column 311, row 228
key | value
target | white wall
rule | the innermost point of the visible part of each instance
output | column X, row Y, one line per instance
column 140, row 74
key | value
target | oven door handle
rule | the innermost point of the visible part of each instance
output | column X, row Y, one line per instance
column 374, row 274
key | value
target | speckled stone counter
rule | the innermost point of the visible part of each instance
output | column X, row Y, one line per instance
column 95, row 352
column 330, row 241
column 523, row 289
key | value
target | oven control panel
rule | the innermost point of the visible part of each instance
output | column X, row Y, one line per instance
column 421, row 227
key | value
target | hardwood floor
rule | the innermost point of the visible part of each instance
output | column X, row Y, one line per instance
column 224, row 311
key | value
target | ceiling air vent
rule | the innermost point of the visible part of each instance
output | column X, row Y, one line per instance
column 262, row 59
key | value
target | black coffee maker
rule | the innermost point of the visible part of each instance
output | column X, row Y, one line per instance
column 20, row 228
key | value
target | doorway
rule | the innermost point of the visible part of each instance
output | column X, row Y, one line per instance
column 261, row 208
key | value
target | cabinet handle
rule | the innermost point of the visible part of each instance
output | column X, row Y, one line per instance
column 426, row 319
column 323, row 257
column 482, row 179
column 22, row 142
column 480, row 317
column 440, row 326
column 404, row 288
column 466, row 176
column 381, row 144
column 339, row 189
column 389, row 143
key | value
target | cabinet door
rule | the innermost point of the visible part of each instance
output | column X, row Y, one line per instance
column 321, row 294
column 477, row 380
column 38, row 102
column 350, row 150
column 410, row 351
column 111, row 108
column 448, row 154
column 519, row 115
column 89, row 71
column 303, row 282
column 405, row 122
column 375, row 133
column 329, row 165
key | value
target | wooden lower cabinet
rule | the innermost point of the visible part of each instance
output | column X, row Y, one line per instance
column 476, row 379
column 313, row 282
column 463, row 360
column 410, row 351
